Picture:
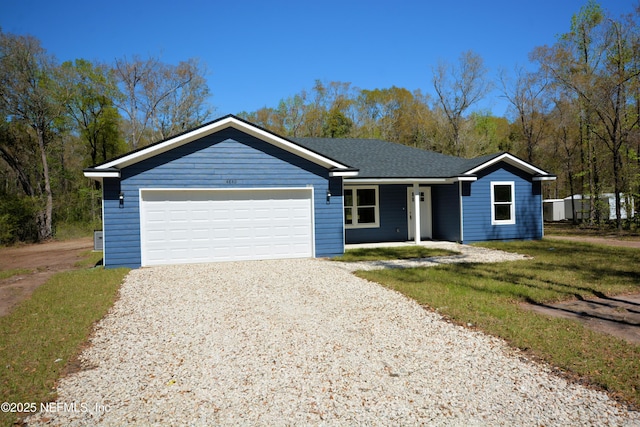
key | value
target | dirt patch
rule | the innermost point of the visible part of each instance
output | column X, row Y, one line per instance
column 42, row 260
column 599, row 241
column 618, row 316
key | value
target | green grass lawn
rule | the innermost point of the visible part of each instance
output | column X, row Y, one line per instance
column 490, row 297
column 44, row 332
column 389, row 253
column 5, row 274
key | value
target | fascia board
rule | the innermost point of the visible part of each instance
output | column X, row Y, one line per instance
column 545, row 178
column 513, row 161
column 288, row 146
column 449, row 180
column 101, row 174
column 169, row 144
column 154, row 150
column 344, row 174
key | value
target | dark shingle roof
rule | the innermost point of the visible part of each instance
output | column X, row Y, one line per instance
column 382, row 159
column 477, row 161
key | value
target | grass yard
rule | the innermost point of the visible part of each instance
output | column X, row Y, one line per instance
column 566, row 228
column 5, row 274
column 44, row 332
column 490, row 297
column 389, row 253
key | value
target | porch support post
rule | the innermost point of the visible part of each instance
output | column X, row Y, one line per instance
column 416, row 213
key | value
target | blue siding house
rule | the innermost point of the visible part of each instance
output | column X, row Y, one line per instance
column 230, row 190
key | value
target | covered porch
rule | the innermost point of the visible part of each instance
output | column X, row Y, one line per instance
column 403, row 210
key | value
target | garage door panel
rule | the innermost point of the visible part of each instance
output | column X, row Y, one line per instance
column 262, row 232
column 200, row 234
column 299, row 213
column 200, row 216
column 221, row 235
column 202, row 226
column 156, row 216
column 299, row 230
column 222, row 214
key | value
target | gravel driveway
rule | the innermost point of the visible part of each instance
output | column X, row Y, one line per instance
column 302, row 342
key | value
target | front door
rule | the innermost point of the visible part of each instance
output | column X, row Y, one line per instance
column 425, row 213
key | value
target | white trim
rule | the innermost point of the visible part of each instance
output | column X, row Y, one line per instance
column 461, row 212
column 344, row 232
column 313, row 220
column 141, row 214
column 512, row 160
column 104, row 233
column 343, row 174
column 218, row 189
column 222, row 189
column 354, row 207
column 425, row 214
column 544, row 178
column 216, row 126
column 105, row 174
column 416, row 213
column 512, row 219
column 425, row 181
column 542, row 217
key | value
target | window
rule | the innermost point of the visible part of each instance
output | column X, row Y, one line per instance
column 361, row 207
column 503, row 203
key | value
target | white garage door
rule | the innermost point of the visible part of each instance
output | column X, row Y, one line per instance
column 189, row 226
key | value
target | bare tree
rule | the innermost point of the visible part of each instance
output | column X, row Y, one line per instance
column 567, row 134
column 527, row 98
column 160, row 100
column 185, row 104
column 458, row 88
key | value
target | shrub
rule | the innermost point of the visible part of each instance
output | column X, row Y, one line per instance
column 18, row 219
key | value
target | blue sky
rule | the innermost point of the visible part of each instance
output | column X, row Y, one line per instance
column 258, row 52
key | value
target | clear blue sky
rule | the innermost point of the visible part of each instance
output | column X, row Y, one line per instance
column 258, row 52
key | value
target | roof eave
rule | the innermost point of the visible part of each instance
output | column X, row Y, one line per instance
column 99, row 174
column 229, row 121
column 412, row 180
column 548, row 177
column 345, row 173
column 512, row 160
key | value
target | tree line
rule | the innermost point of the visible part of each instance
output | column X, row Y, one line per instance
column 56, row 119
column 574, row 111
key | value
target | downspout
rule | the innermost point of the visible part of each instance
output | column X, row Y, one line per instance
column 542, row 212
column 344, row 227
column 104, row 228
column 461, row 212
column 416, row 213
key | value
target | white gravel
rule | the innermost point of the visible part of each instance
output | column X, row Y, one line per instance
column 303, row 342
column 467, row 254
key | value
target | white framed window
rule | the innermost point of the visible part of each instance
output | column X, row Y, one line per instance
column 503, row 205
column 361, row 207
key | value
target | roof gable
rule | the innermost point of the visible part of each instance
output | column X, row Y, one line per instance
column 358, row 159
column 112, row 167
column 476, row 165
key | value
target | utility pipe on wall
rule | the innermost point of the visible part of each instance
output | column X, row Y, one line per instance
column 416, row 213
